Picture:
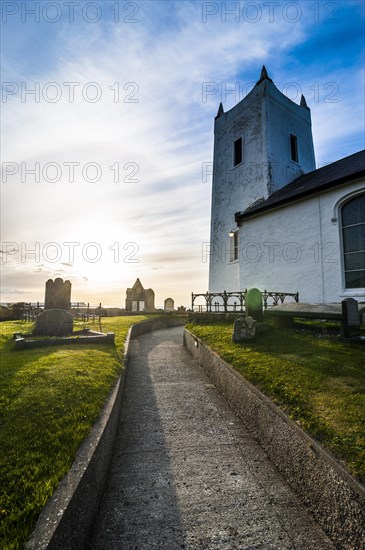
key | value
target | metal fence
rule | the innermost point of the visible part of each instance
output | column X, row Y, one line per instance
column 218, row 302
column 28, row 310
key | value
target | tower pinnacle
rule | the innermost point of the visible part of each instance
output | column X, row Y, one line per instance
column 263, row 76
column 220, row 110
column 303, row 102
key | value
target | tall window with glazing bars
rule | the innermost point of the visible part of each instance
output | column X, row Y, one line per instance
column 353, row 240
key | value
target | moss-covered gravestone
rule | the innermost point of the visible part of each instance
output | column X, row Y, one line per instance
column 254, row 307
column 244, row 329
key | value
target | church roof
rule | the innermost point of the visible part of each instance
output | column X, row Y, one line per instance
column 336, row 173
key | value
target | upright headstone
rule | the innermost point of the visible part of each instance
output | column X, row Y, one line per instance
column 350, row 318
column 58, row 294
column 244, row 329
column 49, row 295
column 55, row 320
column 254, row 304
column 169, row 304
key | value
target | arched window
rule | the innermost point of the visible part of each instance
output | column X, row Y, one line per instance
column 353, row 239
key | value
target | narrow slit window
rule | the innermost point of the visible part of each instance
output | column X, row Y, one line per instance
column 233, row 245
column 294, row 148
column 237, row 152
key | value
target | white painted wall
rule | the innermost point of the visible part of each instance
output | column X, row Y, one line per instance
column 235, row 187
column 283, row 118
column 264, row 120
column 297, row 248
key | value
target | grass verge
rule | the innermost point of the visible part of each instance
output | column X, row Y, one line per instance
column 318, row 380
column 49, row 400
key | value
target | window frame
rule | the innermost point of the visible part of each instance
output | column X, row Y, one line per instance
column 293, row 139
column 233, row 246
column 352, row 197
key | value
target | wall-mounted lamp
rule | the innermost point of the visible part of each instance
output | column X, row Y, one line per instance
column 232, row 232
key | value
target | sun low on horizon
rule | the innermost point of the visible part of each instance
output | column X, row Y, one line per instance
column 107, row 130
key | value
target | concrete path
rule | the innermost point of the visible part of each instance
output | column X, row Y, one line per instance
column 186, row 473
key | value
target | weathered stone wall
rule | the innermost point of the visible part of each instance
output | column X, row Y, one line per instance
column 332, row 496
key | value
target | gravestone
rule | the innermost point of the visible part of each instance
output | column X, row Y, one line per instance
column 53, row 322
column 244, row 329
column 350, row 327
column 58, row 294
column 254, row 304
column 169, row 304
column 362, row 315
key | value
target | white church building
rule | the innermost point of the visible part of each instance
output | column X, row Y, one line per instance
column 278, row 223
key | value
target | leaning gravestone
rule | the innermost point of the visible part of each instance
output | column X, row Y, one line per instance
column 254, row 304
column 53, row 322
column 350, row 327
column 244, row 329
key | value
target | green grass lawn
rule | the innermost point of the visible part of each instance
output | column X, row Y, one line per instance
column 49, row 399
column 315, row 377
column 51, row 396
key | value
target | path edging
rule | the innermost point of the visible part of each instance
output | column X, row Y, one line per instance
column 333, row 497
column 66, row 519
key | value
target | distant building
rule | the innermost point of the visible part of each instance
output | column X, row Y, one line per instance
column 139, row 299
column 277, row 222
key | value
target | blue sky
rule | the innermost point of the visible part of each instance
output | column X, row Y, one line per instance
column 121, row 102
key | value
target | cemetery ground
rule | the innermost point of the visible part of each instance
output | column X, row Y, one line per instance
column 50, row 399
column 310, row 373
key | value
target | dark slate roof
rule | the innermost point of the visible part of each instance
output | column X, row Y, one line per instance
column 337, row 173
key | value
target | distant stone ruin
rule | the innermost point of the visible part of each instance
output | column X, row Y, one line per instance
column 139, row 299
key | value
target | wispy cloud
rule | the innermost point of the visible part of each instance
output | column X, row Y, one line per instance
column 145, row 139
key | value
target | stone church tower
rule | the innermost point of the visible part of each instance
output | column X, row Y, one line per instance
column 260, row 145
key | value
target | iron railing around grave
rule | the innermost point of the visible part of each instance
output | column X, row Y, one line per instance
column 28, row 311
column 216, row 302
